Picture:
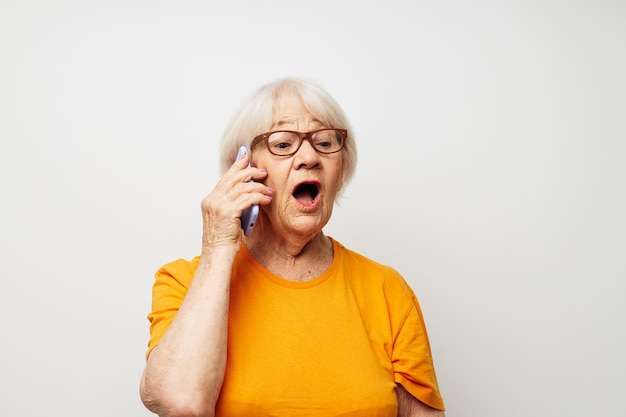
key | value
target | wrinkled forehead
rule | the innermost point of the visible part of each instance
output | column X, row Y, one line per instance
column 291, row 106
column 290, row 112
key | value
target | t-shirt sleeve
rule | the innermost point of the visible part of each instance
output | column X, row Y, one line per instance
column 411, row 355
column 168, row 292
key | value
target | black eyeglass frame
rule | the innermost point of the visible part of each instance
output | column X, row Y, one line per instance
column 264, row 137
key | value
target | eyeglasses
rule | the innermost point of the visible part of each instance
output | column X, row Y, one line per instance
column 287, row 142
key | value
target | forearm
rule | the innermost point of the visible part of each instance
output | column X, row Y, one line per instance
column 409, row 406
column 184, row 373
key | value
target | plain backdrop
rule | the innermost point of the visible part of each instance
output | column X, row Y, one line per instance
column 492, row 175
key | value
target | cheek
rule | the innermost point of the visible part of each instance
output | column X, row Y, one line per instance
column 276, row 181
column 336, row 177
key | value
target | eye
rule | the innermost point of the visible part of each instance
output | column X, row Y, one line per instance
column 282, row 142
column 325, row 139
column 281, row 145
column 323, row 144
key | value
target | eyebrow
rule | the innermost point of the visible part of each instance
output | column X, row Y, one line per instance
column 284, row 122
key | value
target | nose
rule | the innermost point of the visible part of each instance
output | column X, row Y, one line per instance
column 306, row 156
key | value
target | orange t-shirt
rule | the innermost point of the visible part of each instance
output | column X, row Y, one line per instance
column 335, row 345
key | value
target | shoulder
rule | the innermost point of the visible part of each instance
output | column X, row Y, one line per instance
column 368, row 271
column 180, row 271
column 358, row 260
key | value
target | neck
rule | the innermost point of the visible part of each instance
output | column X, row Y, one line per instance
column 294, row 258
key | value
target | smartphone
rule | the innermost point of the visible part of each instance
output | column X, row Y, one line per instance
column 249, row 215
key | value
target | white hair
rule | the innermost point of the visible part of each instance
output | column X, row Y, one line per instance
column 256, row 115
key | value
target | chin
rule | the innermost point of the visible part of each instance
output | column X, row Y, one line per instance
column 305, row 225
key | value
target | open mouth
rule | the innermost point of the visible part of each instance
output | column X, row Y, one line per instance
column 306, row 192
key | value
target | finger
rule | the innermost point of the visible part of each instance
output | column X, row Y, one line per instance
column 246, row 194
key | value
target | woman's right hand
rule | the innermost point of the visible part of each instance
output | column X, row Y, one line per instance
column 223, row 207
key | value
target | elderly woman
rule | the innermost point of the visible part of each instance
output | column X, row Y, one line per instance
column 285, row 321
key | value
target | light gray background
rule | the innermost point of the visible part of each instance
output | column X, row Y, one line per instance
column 492, row 142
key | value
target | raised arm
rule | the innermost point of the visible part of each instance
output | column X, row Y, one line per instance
column 185, row 371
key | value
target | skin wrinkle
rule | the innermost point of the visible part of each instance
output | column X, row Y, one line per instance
column 293, row 229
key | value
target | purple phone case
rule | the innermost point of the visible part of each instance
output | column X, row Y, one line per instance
column 249, row 215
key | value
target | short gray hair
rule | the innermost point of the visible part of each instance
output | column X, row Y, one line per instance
column 256, row 116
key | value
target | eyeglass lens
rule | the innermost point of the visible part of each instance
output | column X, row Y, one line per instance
column 285, row 143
